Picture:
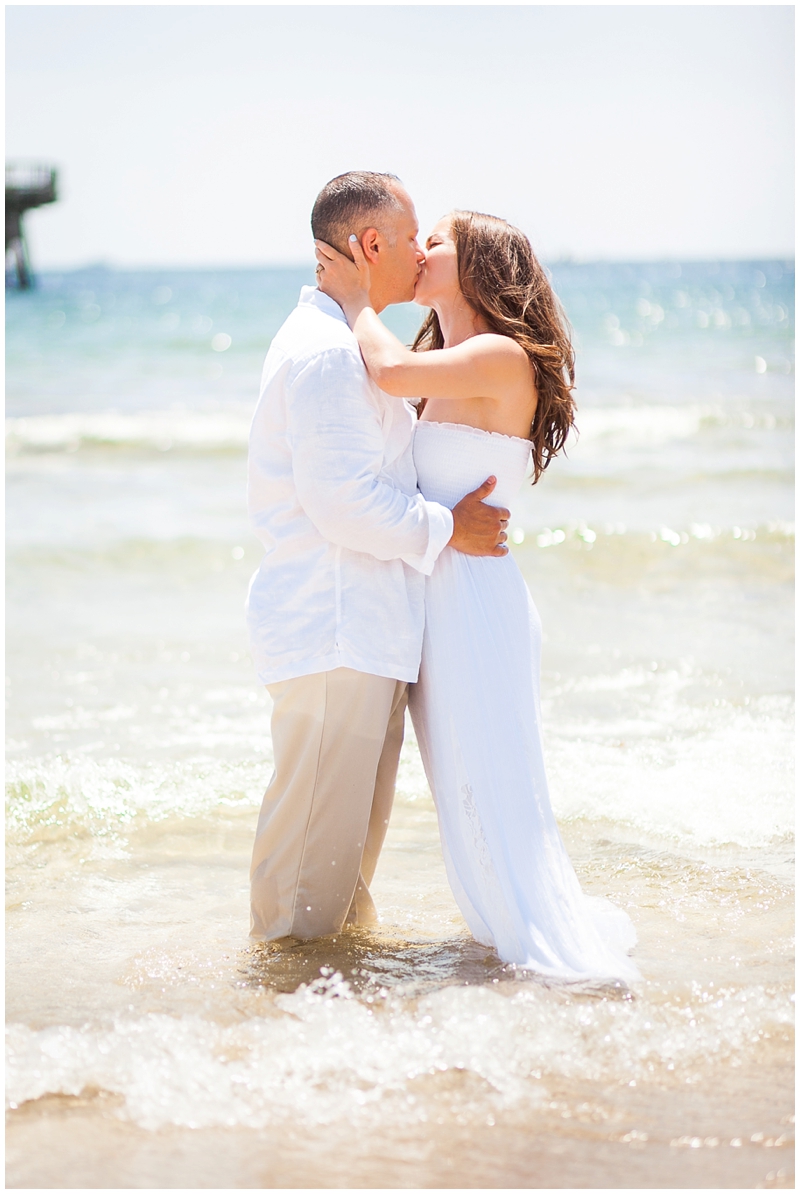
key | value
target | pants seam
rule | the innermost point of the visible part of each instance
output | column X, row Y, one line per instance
column 311, row 805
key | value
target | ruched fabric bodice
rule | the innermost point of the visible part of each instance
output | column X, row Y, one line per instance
column 477, row 716
column 452, row 459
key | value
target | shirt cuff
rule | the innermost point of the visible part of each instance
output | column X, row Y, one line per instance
column 440, row 532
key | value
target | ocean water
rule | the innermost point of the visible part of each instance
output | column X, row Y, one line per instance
column 149, row 1043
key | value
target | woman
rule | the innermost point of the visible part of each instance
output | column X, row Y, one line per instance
column 493, row 366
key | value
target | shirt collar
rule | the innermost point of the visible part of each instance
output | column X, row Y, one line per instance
column 310, row 296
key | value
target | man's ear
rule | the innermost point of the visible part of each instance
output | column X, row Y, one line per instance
column 370, row 241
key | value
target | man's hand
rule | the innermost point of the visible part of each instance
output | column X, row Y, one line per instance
column 478, row 529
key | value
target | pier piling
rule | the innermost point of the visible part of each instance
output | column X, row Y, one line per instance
column 27, row 186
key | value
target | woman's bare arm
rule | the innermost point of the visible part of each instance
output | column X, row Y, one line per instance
column 484, row 366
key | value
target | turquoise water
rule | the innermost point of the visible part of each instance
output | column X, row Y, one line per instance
column 659, row 552
column 142, row 340
column 684, row 375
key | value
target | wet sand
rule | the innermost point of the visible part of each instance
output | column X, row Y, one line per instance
column 617, row 1140
column 713, row 1117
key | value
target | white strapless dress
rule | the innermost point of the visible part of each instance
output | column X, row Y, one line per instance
column 476, row 713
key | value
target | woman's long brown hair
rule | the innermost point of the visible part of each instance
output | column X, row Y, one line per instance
column 501, row 279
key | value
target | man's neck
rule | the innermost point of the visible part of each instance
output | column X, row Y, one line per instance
column 377, row 300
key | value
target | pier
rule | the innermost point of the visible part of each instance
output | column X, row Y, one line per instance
column 27, row 186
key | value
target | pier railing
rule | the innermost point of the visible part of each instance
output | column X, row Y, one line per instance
column 29, row 185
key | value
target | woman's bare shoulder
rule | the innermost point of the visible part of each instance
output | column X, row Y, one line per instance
column 503, row 357
column 492, row 344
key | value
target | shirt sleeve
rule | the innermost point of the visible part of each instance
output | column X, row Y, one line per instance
column 337, row 454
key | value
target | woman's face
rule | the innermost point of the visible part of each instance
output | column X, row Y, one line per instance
column 438, row 278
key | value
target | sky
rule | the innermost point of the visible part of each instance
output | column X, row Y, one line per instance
column 200, row 135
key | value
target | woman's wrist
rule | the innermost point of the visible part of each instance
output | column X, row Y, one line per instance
column 354, row 304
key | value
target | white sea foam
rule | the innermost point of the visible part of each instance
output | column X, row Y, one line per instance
column 708, row 776
column 58, row 798
column 321, row 1055
column 702, row 776
column 635, row 426
column 639, row 424
column 154, row 430
column 598, row 428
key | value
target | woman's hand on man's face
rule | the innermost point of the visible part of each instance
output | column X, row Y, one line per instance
column 338, row 276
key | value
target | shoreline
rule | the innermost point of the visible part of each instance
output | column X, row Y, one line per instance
column 622, row 1139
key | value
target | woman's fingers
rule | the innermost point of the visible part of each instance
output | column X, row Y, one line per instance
column 325, row 252
column 338, row 275
column 357, row 251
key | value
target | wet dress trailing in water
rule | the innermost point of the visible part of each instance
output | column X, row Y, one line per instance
column 477, row 716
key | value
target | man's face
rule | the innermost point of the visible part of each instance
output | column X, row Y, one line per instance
column 394, row 273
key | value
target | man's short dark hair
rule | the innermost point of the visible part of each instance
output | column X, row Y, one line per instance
column 349, row 201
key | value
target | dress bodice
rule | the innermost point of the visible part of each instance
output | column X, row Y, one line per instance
column 452, row 459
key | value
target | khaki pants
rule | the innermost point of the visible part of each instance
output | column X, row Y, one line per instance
column 336, row 739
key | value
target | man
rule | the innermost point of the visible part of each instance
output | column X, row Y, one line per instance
column 336, row 609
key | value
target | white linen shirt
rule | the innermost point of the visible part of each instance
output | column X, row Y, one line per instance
column 332, row 495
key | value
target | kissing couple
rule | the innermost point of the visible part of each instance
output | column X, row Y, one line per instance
column 386, row 580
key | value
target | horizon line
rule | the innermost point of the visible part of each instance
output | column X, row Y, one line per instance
column 562, row 259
